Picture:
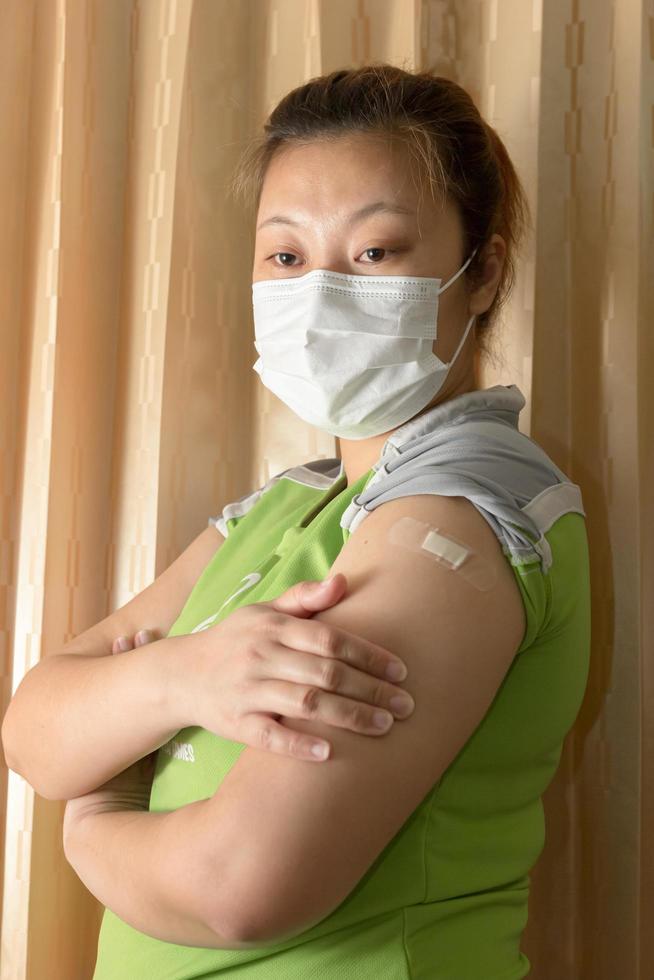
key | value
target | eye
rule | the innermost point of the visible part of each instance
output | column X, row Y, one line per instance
column 375, row 248
column 286, row 265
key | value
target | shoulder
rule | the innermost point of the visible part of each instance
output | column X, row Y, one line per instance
column 503, row 473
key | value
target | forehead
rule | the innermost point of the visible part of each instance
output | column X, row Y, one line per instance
column 348, row 169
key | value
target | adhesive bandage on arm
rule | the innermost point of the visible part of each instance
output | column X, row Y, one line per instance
column 442, row 548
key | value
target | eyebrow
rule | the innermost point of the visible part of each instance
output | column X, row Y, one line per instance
column 355, row 216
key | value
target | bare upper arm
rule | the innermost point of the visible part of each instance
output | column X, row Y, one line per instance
column 157, row 606
column 331, row 820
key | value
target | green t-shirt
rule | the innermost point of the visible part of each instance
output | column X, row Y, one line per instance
column 447, row 898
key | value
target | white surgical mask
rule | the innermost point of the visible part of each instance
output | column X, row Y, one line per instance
column 349, row 354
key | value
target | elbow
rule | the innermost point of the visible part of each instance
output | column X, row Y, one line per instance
column 10, row 740
column 44, row 791
column 10, row 758
column 249, row 931
column 229, row 934
column 12, row 763
column 229, row 918
column 279, row 919
column 255, row 913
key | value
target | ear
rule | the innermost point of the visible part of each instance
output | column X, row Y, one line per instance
column 489, row 275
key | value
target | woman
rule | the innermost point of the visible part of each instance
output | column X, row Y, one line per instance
column 387, row 218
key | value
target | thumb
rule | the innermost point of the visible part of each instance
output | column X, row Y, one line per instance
column 305, row 598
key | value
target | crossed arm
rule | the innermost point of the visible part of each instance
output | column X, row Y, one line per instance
column 212, row 872
column 145, row 867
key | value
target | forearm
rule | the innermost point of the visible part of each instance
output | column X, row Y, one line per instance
column 77, row 720
column 145, row 867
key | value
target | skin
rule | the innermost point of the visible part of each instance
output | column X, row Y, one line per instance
column 318, row 185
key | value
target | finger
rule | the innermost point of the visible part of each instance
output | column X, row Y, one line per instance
column 361, row 713
column 321, row 594
column 142, row 637
column 121, row 644
column 267, row 734
column 305, row 598
column 309, row 673
column 326, row 640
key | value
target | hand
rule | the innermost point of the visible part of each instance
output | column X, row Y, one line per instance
column 270, row 659
column 127, row 790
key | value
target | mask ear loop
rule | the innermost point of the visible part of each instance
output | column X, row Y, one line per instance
column 474, row 315
column 457, row 274
column 450, row 553
column 462, row 341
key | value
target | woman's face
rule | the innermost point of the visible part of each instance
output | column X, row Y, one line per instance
column 352, row 206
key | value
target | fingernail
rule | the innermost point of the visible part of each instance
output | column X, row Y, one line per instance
column 402, row 703
column 123, row 643
column 382, row 719
column 143, row 636
column 396, row 671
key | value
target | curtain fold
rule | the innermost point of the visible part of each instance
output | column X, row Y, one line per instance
column 130, row 411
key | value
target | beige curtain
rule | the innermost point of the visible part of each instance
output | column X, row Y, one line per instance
column 130, row 411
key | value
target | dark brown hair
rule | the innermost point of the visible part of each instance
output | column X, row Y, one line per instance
column 457, row 151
